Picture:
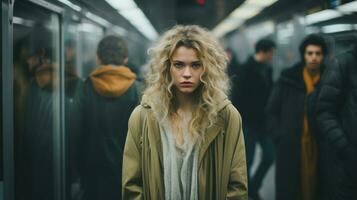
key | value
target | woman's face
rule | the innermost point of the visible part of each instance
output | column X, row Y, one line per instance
column 185, row 70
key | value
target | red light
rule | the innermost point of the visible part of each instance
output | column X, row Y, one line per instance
column 201, row 2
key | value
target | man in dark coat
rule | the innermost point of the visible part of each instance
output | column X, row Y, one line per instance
column 251, row 88
column 291, row 121
column 337, row 120
column 103, row 107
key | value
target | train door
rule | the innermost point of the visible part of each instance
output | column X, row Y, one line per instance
column 6, row 137
column 38, row 101
column 81, row 37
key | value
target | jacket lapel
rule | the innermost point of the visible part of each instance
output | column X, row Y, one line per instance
column 153, row 126
column 210, row 135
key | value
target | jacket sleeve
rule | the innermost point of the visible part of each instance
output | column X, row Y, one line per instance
column 273, row 111
column 330, row 102
column 238, row 184
column 132, row 172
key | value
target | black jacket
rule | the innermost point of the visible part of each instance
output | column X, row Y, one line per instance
column 250, row 91
column 100, row 127
column 337, row 120
column 285, row 114
column 36, row 153
column 337, row 107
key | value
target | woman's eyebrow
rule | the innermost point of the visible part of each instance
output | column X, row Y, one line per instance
column 179, row 61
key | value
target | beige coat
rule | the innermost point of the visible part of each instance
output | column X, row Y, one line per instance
column 222, row 170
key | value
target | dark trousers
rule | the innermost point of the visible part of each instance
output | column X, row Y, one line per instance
column 252, row 137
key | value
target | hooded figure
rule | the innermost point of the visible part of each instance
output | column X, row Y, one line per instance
column 292, row 122
column 102, row 110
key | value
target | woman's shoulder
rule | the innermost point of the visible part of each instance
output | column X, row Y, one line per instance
column 229, row 111
column 138, row 112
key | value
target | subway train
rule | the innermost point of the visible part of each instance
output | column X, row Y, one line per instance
column 68, row 32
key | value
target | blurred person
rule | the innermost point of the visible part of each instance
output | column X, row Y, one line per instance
column 72, row 83
column 102, row 109
column 251, row 88
column 36, row 145
column 233, row 63
column 22, row 81
column 70, row 70
column 337, row 120
column 291, row 118
column 185, row 140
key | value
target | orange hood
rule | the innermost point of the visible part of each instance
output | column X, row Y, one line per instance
column 112, row 81
column 45, row 76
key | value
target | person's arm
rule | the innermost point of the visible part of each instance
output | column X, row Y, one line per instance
column 132, row 172
column 238, row 184
column 330, row 102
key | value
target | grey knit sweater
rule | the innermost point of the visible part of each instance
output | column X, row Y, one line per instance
column 180, row 164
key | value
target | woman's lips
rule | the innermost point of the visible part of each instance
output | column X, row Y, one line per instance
column 186, row 84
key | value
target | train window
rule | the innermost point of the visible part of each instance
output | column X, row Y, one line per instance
column 1, row 135
column 80, row 43
column 36, row 99
column 90, row 36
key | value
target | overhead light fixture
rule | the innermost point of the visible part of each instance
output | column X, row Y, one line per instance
column 348, row 7
column 322, row 16
column 71, row 5
column 129, row 10
column 226, row 26
column 97, row 19
column 337, row 28
column 22, row 21
column 247, row 10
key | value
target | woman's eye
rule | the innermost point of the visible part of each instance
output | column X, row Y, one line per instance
column 178, row 65
column 196, row 65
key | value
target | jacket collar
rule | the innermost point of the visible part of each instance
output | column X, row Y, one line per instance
column 211, row 133
column 294, row 76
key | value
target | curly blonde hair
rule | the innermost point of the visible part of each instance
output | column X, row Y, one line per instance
column 214, row 85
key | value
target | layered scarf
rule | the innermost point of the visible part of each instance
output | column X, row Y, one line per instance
column 308, row 147
column 180, row 163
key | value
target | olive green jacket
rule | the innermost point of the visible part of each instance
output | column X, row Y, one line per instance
column 222, row 170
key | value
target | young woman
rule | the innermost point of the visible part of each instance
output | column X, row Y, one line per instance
column 185, row 140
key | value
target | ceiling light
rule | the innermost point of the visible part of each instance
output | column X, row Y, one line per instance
column 247, row 10
column 245, row 13
column 97, row 19
column 260, row 3
column 322, row 16
column 22, row 21
column 348, row 7
column 337, row 28
column 129, row 10
column 226, row 26
column 71, row 5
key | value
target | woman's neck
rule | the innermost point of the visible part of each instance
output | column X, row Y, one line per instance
column 184, row 102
